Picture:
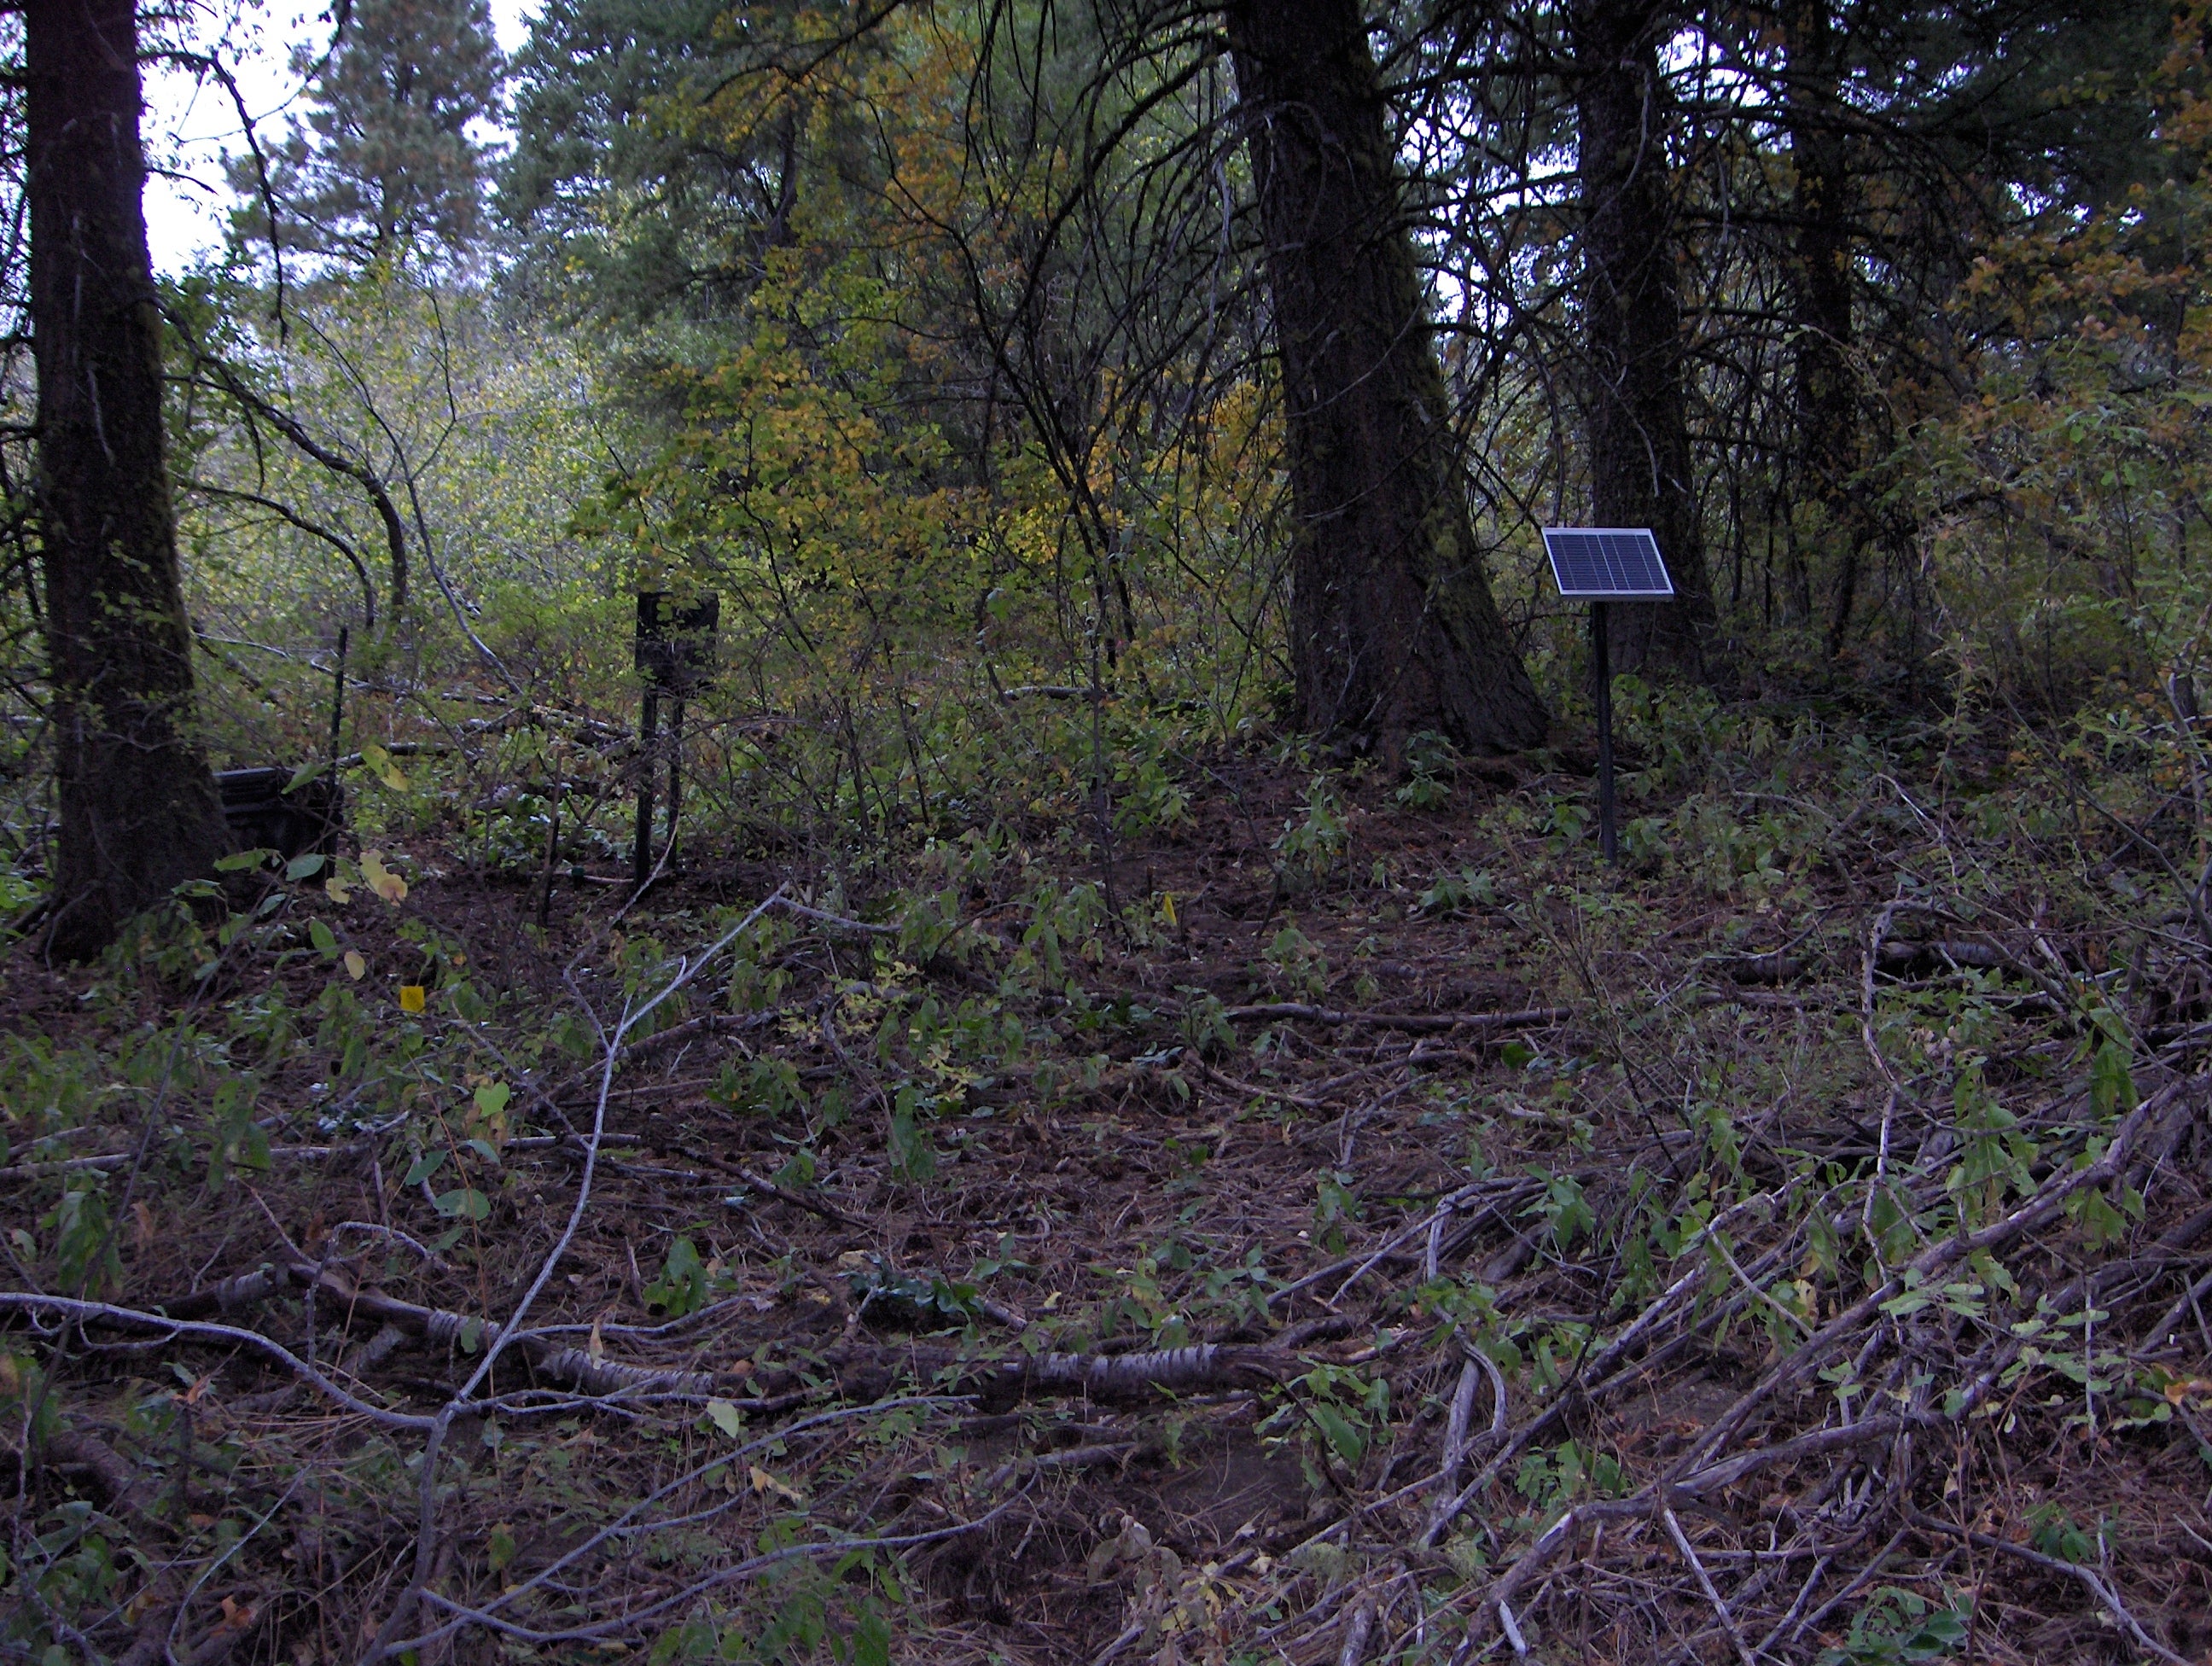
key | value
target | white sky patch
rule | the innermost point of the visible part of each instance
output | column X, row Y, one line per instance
column 190, row 122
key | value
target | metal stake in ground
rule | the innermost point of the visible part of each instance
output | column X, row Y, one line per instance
column 1608, row 836
column 675, row 656
column 334, row 816
column 1601, row 564
column 675, row 771
column 648, row 771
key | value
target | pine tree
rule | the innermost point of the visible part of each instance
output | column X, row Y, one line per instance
column 139, row 813
column 385, row 164
column 1634, row 393
column 1394, row 629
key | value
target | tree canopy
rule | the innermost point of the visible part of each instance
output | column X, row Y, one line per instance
column 391, row 154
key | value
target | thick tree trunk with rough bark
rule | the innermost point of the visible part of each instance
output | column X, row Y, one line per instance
column 1639, row 437
column 1393, row 626
column 1827, row 399
column 139, row 812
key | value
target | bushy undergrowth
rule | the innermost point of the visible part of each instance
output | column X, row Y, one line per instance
column 1834, row 1168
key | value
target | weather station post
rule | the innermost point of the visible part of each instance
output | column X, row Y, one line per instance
column 1602, row 564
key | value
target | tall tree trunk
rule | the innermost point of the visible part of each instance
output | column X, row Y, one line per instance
column 139, row 812
column 1827, row 400
column 1393, row 626
column 1639, row 436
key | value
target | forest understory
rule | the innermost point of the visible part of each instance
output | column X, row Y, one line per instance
column 1350, row 1224
column 1130, row 1121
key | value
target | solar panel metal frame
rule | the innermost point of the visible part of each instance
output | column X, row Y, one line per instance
column 1579, row 593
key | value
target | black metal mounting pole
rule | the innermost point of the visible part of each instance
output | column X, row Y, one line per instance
column 648, row 768
column 1602, row 671
column 337, row 697
column 334, row 811
column 675, row 773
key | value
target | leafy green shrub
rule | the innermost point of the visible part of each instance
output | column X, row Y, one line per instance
column 1309, row 850
column 1897, row 1626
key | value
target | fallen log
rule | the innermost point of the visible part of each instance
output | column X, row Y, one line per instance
column 121, row 1486
column 867, row 1373
column 1533, row 1018
column 573, row 1367
column 860, row 1372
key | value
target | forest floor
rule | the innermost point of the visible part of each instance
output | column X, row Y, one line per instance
column 1358, row 1226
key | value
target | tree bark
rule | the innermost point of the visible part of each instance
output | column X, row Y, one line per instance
column 1638, row 430
column 139, row 811
column 1827, row 400
column 1393, row 626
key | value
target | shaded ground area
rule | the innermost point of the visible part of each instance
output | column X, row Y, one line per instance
column 1350, row 1223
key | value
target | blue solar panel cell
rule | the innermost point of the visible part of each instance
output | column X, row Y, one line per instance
column 1607, row 562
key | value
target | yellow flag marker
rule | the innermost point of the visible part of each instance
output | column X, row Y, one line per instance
column 411, row 997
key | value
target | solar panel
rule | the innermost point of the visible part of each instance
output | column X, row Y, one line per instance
column 1606, row 563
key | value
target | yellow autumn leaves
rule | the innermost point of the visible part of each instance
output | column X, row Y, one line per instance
column 381, row 879
column 375, row 875
column 374, row 872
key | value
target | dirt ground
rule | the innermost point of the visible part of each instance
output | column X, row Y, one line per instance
column 1469, row 1161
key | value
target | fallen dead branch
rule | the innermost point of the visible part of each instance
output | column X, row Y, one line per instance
column 1700, row 1470
column 36, row 1304
column 2103, row 1594
column 1533, row 1018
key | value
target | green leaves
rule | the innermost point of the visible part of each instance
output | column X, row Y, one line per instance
column 491, row 1101
column 1347, row 1441
column 682, row 1287
column 1964, row 1298
column 1994, row 1157
column 2112, row 1085
column 1336, row 1202
column 1300, row 961
column 1550, row 1479
column 465, row 1203
column 1454, row 893
column 1899, row 1626
column 913, row 1153
column 886, row 1299
column 239, row 1140
column 85, row 1256
column 1563, row 1208
column 1342, row 1408
column 1310, row 849
column 1205, row 1023
column 381, row 762
column 2100, row 1225
column 2054, row 1534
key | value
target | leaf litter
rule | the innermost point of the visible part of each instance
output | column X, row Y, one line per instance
column 1348, row 1223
